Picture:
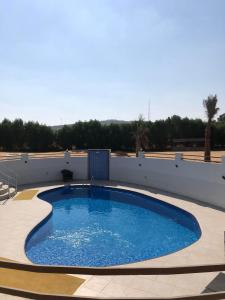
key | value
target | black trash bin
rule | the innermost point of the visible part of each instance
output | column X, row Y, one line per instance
column 67, row 175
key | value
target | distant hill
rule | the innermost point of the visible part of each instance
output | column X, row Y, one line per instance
column 57, row 127
column 113, row 121
column 105, row 122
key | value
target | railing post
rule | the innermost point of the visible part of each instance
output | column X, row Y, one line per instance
column 178, row 157
column 141, row 154
column 25, row 157
column 67, row 156
column 223, row 161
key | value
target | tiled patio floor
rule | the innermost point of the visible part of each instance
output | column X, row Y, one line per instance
column 17, row 218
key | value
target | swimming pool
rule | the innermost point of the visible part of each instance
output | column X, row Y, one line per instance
column 102, row 226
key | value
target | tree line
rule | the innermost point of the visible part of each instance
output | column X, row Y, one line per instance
column 18, row 135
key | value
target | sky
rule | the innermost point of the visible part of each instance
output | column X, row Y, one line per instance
column 67, row 60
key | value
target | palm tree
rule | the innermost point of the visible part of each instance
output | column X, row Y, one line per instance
column 141, row 135
column 211, row 110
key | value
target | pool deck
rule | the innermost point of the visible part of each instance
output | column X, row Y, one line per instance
column 19, row 217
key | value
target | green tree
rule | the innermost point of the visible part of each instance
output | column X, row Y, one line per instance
column 18, row 130
column 6, row 135
column 211, row 110
column 159, row 135
column 45, row 138
column 31, row 136
column 221, row 118
column 38, row 137
column 64, row 137
column 141, row 135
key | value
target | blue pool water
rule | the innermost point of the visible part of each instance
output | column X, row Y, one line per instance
column 99, row 226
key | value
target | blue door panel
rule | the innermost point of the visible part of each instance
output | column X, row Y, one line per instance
column 98, row 164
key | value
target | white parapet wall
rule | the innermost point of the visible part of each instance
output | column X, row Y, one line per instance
column 46, row 169
column 197, row 180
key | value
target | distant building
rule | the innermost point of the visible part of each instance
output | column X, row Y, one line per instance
column 189, row 144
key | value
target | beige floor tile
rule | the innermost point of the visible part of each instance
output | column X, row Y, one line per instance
column 115, row 290
column 17, row 218
column 87, row 292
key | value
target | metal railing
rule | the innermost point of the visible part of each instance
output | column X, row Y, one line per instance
column 193, row 156
column 189, row 156
column 109, row 271
column 92, row 180
column 9, row 178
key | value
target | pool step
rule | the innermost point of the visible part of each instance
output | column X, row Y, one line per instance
column 4, row 189
column 8, row 183
column 6, row 192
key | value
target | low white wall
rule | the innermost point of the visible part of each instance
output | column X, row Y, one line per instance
column 201, row 181
column 44, row 170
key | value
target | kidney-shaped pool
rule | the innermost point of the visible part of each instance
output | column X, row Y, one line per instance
column 101, row 226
